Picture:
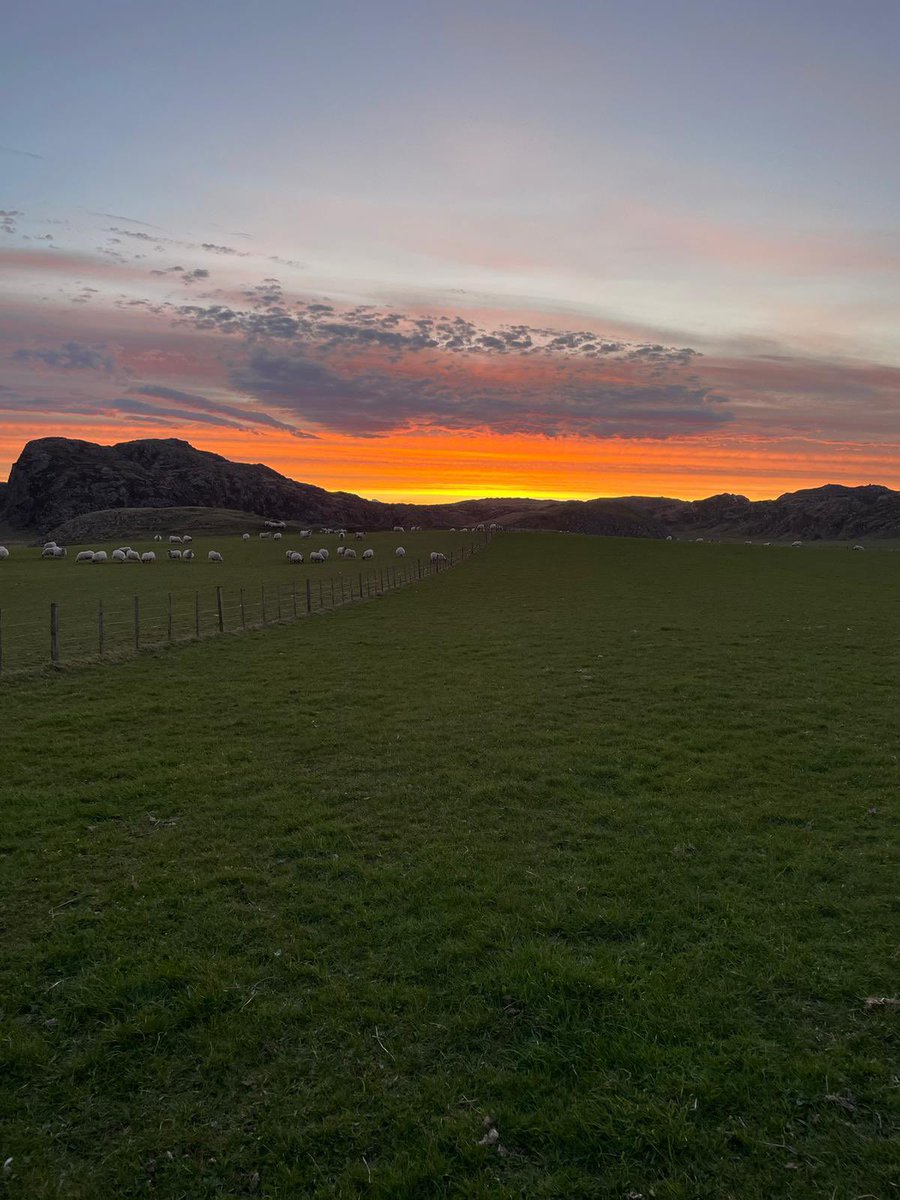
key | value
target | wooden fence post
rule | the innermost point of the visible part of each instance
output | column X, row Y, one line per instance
column 137, row 623
column 419, row 561
column 220, row 609
column 54, row 632
column 197, row 615
column 243, row 611
column 294, row 598
column 169, row 623
column 332, row 591
column 308, row 595
column 321, row 601
column 263, row 604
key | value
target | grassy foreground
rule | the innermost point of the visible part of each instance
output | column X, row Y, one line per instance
column 591, row 839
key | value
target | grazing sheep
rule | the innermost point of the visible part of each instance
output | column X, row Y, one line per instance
column 49, row 545
column 316, row 557
column 53, row 552
column 173, row 537
column 399, row 529
column 245, row 537
column 795, row 544
column 859, row 547
column 148, row 557
column 188, row 556
column 187, row 538
column 360, row 536
column 306, row 533
column 348, row 553
column 215, row 556
column 341, row 551
column 368, row 554
column 118, row 555
column 276, row 537
column 173, row 554
column 294, row 556
column 157, row 537
column 323, row 551
column 400, row 552
column 132, row 556
column 99, row 556
column 265, row 535
column 85, row 556
column 4, row 553
column 437, row 557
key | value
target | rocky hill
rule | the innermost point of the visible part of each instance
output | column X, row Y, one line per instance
column 57, row 480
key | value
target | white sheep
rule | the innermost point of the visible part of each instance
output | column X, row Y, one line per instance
column 400, row 552
column 132, row 556
column 437, row 557
column 173, row 537
column 306, row 533
column 187, row 538
column 348, row 553
column 399, row 529
column 49, row 545
column 148, row 557
column 187, row 556
column 316, row 557
column 859, row 547
column 294, row 556
column 323, row 552
column 245, row 537
column 794, row 545
column 276, row 537
column 4, row 553
column 360, row 536
column 265, row 535
column 214, row 556
column 118, row 555
column 53, row 552
column 85, row 556
column 174, row 554
column 157, row 537
column 341, row 551
column 99, row 556
column 342, row 533
column 368, row 554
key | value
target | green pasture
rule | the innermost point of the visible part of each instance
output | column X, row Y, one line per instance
column 258, row 586
column 570, row 872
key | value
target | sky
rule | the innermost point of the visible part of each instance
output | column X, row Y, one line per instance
column 422, row 251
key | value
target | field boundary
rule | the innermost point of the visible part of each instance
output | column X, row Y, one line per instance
column 211, row 613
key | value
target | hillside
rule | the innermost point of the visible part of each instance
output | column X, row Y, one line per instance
column 57, row 480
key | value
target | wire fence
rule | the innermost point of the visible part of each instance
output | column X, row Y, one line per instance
column 71, row 633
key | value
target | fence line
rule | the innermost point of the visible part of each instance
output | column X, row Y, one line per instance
column 76, row 636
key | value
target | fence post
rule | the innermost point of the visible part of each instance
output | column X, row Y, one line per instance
column 332, row 591
column 100, row 628
column 342, row 590
column 169, row 630
column 308, row 595
column 243, row 611
column 54, row 632
column 294, row 598
column 137, row 623
column 321, row 601
column 263, row 604
column 220, row 609
column 419, row 561
column 197, row 615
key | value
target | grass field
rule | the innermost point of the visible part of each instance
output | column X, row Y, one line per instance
column 588, row 842
column 256, row 568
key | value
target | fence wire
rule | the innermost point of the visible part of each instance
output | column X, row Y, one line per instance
column 72, row 633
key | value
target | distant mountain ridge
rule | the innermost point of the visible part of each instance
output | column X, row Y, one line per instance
column 56, row 480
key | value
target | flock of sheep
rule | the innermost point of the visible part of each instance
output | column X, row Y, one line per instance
column 178, row 553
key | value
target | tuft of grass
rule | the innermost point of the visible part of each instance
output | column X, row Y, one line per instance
column 590, row 844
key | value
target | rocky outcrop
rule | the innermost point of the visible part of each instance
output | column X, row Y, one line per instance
column 58, row 479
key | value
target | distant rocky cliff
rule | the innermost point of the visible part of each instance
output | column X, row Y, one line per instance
column 58, row 479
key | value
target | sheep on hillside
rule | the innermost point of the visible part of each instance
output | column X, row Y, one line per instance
column 157, row 537
column 348, row 553
column 173, row 537
column 276, row 537
column 265, row 535
column 53, row 552
column 4, row 553
column 859, row 547
column 99, row 556
column 399, row 529
column 368, row 554
column 316, row 557
column 214, row 556
column 323, row 552
column 132, row 556
column 85, row 556
column 341, row 551
column 118, row 555
column 795, row 544
column 294, row 556
column 188, row 556
column 400, row 552
column 187, row 538
column 173, row 554
column 245, row 537
column 437, row 557
column 359, row 536
column 148, row 557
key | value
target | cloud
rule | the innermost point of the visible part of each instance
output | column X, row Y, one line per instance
column 19, row 153
column 245, row 417
column 214, row 249
column 71, row 356
column 8, row 218
column 193, row 276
